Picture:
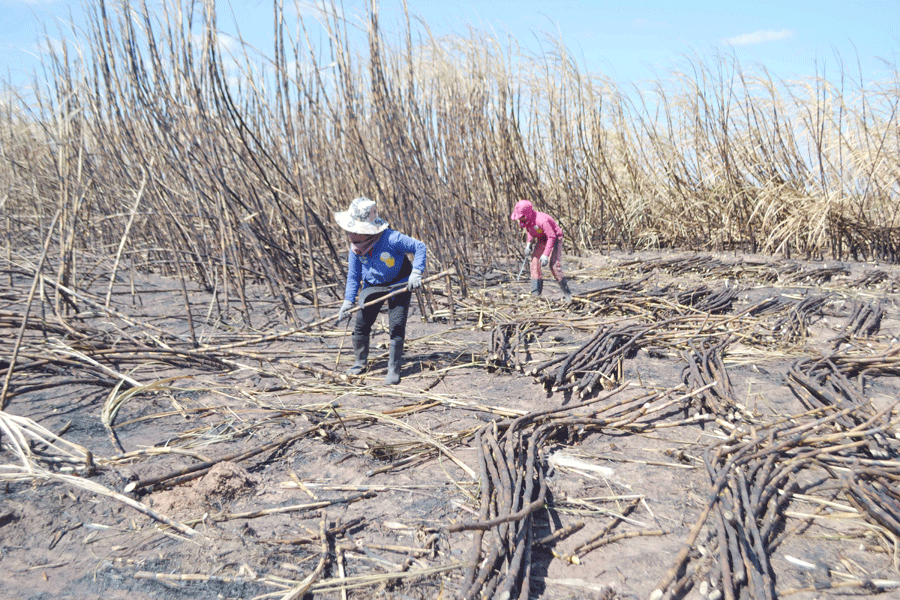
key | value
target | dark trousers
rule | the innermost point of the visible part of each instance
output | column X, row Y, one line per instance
column 398, row 310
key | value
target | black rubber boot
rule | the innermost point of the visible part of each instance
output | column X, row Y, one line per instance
column 361, row 351
column 564, row 286
column 537, row 286
column 395, row 362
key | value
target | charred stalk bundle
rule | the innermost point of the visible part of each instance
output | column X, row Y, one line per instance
column 752, row 484
column 870, row 279
column 795, row 325
column 745, row 518
column 705, row 300
column 680, row 266
column 616, row 298
column 875, row 494
column 883, row 363
column 821, row 385
column 596, row 361
column 864, row 321
column 639, row 298
column 705, row 371
column 509, row 344
column 767, row 306
column 708, row 266
column 765, row 272
column 787, row 270
column 512, row 489
column 617, row 290
column 818, row 276
column 693, row 296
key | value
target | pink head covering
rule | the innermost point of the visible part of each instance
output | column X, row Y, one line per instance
column 523, row 209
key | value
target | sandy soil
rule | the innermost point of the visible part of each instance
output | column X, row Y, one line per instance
column 252, row 526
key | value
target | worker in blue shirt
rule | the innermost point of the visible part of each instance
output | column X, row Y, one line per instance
column 378, row 258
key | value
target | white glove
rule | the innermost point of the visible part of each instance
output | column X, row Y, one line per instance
column 545, row 260
column 345, row 310
column 527, row 248
column 415, row 280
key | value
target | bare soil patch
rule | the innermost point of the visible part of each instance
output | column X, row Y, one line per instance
column 734, row 396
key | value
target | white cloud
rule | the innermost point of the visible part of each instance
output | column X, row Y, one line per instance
column 759, row 37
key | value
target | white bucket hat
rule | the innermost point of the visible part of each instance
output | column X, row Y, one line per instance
column 361, row 217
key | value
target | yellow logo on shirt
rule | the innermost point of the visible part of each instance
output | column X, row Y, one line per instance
column 387, row 259
column 538, row 230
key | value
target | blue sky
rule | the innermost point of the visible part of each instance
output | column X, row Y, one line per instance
column 629, row 42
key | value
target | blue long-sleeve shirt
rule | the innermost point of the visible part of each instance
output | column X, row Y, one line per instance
column 382, row 265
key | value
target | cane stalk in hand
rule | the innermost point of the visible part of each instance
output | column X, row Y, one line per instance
column 308, row 326
column 401, row 290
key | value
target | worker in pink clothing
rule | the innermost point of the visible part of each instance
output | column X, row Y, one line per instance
column 547, row 236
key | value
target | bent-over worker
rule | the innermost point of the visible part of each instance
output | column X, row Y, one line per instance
column 547, row 236
column 378, row 258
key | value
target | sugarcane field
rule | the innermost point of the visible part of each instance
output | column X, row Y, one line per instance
column 441, row 321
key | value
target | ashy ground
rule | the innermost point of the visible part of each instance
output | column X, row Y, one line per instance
column 353, row 488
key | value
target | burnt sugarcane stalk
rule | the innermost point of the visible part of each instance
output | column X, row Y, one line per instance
column 519, row 346
column 500, row 345
column 602, row 359
column 705, row 368
column 718, row 302
column 560, row 534
column 539, row 368
column 515, row 505
column 808, row 377
column 725, row 573
column 693, row 379
column 475, row 552
column 864, row 321
column 870, row 323
column 730, row 563
column 518, row 530
column 736, row 454
column 486, row 580
column 775, row 520
column 622, row 344
column 873, row 505
column 795, row 324
column 606, row 345
column 523, row 540
column 755, row 556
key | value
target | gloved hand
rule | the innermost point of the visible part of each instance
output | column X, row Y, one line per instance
column 528, row 248
column 415, row 280
column 345, row 310
column 545, row 260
